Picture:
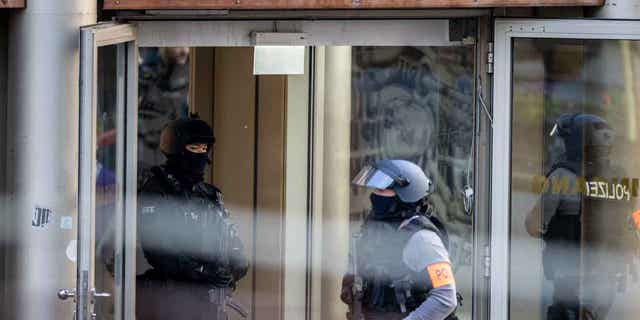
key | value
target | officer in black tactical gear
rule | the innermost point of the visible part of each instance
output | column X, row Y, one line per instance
column 402, row 260
column 185, row 232
column 584, row 235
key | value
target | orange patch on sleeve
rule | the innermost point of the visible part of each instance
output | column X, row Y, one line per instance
column 440, row 274
column 636, row 219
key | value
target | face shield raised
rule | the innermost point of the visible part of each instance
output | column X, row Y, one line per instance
column 405, row 178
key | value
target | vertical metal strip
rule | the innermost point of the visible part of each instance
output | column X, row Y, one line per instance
column 86, row 170
column 120, row 179
column 501, row 172
column 131, row 180
column 310, row 182
column 482, row 172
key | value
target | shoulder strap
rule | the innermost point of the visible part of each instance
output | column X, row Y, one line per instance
column 431, row 223
column 563, row 165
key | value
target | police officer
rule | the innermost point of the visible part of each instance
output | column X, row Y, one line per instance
column 583, row 254
column 185, row 232
column 401, row 259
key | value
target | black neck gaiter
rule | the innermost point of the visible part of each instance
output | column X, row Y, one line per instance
column 390, row 208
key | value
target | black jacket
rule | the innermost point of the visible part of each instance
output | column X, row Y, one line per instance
column 185, row 232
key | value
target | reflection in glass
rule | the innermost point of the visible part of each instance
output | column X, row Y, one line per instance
column 574, row 179
column 106, row 208
column 416, row 104
column 163, row 90
column 369, row 103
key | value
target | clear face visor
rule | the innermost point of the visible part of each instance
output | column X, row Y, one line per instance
column 370, row 177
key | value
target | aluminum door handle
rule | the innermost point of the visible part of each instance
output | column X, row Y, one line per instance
column 64, row 294
column 95, row 294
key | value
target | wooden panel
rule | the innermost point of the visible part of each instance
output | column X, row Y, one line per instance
column 270, row 197
column 337, row 4
column 7, row 4
column 234, row 151
column 201, row 76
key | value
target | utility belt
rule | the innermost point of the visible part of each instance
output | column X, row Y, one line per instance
column 399, row 296
column 392, row 297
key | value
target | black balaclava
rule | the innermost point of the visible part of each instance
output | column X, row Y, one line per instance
column 188, row 167
column 390, row 207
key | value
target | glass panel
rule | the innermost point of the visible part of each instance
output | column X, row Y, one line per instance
column 107, row 206
column 574, row 187
column 410, row 103
column 371, row 103
column 163, row 90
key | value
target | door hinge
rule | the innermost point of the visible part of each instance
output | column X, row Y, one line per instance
column 490, row 58
column 487, row 262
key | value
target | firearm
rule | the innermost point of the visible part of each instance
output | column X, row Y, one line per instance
column 402, row 291
column 357, row 290
column 221, row 297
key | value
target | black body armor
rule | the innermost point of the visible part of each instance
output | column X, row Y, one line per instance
column 185, row 232
column 381, row 265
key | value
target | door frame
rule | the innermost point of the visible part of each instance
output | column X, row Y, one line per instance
column 238, row 33
column 427, row 31
column 505, row 31
column 92, row 38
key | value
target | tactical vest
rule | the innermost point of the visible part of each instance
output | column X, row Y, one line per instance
column 188, row 237
column 381, row 266
column 561, row 253
column 596, row 238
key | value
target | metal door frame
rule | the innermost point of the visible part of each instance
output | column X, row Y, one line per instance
column 92, row 38
column 237, row 33
column 428, row 29
column 505, row 31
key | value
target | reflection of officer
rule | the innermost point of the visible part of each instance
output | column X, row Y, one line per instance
column 572, row 226
column 413, row 283
column 185, row 232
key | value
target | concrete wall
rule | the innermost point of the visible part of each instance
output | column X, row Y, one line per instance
column 4, row 44
column 41, row 157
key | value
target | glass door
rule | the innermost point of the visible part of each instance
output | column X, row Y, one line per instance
column 107, row 171
column 566, row 225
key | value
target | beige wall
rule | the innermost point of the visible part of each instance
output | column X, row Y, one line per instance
column 234, row 152
column 248, row 114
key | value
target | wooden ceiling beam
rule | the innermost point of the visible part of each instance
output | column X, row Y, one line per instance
column 335, row 4
column 12, row 4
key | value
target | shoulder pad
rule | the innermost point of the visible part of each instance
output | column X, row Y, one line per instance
column 421, row 222
column 157, row 177
column 212, row 191
column 418, row 222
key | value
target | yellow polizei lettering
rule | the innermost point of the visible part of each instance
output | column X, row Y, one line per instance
column 579, row 186
column 560, row 185
column 539, row 184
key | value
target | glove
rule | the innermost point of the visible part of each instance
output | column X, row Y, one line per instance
column 239, row 263
column 346, row 294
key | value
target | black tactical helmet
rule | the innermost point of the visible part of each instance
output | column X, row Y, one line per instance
column 583, row 132
column 177, row 134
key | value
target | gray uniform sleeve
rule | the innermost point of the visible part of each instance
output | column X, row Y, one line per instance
column 423, row 249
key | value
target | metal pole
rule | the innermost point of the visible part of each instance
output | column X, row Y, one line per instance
column 42, row 155
column 337, row 138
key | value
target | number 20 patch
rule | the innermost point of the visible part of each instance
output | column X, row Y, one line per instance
column 440, row 274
